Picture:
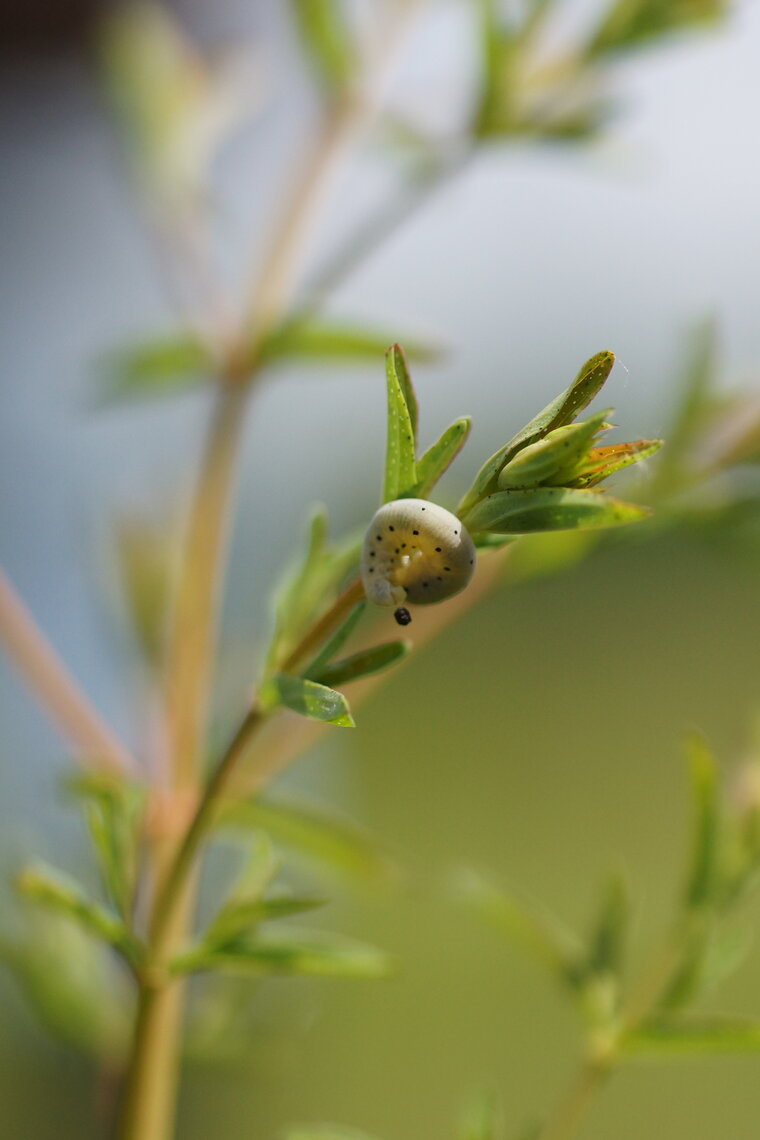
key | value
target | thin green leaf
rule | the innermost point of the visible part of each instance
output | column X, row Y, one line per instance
column 166, row 366
column 482, row 1119
column 601, row 462
column 333, row 842
column 400, row 464
column 703, row 873
column 306, row 698
column 608, row 937
column 560, row 411
column 440, row 455
column 326, row 341
column 549, row 509
column 364, row 663
column 335, row 643
column 113, row 810
column 630, row 24
column 695, row 1035
column 327, row 41
column 310, row 588
column 524, row 923
column 313, row 954
column 239, row 917
column 49, row 888
column 553, row 459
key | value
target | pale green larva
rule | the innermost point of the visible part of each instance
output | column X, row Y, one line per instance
column 415, row 551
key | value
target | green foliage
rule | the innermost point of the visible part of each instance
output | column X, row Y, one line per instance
column 333, row 843
column 164, row 366
column 299, row 954
column 310, row 587
column 176, row 363
column 629, row 24
column 440, row 455
column 327, row 41
column 49, row 888
column 704, row 874
column 696, row 1035
column 364, row 663
column 113, row 810
column 559, row 412
column 400, row 456
column 326, row 341
column 549, row 508
column 306, row 698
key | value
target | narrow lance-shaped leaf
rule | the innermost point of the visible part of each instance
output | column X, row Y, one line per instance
column 314, row 954
column 542, row 936
column 549, row 508
column 112, row 808
column 165, row 366
column 607, row 942
column 306, row 698
column 560, row 411
column 629, row 24
column 439, row 456
column 601, row 462
column 704, row 870
column 328, row 341
column 327, row 41
column 336, row 642
column 336, row 843
column 400, row 464
column 364, row 663
column 238, row 918
column 554, row 457
column 695, row 1035
column 48, row 887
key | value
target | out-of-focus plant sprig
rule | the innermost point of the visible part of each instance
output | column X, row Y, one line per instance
column 661, row 1011
column 179, row 106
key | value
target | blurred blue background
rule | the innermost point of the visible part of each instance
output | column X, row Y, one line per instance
column 509, row 743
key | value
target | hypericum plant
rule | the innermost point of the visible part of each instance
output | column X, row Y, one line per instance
column 152, row 822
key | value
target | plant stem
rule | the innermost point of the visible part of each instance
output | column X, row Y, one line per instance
column 575, row 1104
column 58, row 693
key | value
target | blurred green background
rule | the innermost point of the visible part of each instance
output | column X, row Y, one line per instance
column 540, row 737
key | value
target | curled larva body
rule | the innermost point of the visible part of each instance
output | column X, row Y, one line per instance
column 415, row 551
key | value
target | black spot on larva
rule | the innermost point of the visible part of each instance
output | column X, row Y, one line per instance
column 372, row 554
column 424, row 508
column 456, row 532
column 403, row 545
column 391, row 528
column 425, row 584
column 402, row 616
column 447, row 568
column 372, row 570
column 472, row 562
column 415, row 532
column 438, row 550
column 379, row 537
column 439, row 579
column 398, row 550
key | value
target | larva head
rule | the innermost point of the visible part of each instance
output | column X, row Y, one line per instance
column 415, row 551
